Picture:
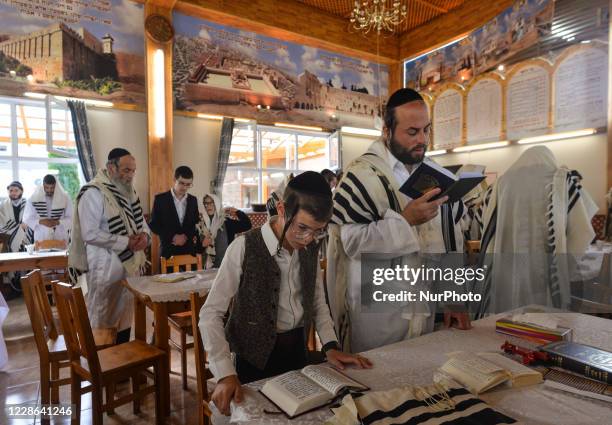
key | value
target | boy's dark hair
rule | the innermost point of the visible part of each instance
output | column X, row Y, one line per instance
column 184, row 172
column 49, row 179
column 328, row 175
column 320, row 207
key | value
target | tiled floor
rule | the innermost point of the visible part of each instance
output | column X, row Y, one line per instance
column 19, row 383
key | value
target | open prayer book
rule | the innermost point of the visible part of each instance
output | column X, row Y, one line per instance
column 430, row 175
column 483, row 371
column 301, row 391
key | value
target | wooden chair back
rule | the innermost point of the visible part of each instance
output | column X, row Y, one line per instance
column 202, row 373
column 39, row 309
column 50, row 244
column 191, row 263
column 77, row 329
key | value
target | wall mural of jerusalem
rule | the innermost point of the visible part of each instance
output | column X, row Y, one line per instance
column 517, row 28
column 223, row 70
column 88, row 48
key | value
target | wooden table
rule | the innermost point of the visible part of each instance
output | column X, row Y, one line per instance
column 21, row 261
column 413, row 362
column 164, row 299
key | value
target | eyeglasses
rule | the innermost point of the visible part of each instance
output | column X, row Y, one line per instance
column 303, row 232
column 209, row 203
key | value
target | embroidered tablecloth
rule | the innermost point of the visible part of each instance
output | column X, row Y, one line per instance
column 173, row 291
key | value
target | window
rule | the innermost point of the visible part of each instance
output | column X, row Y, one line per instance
column 261, row 157
column 36, row 138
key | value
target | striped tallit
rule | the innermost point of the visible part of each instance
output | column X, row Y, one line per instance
column 367, row 190
column 539, row 213
column 58, row 204
column 125, row 218
column 18, row 237
column 405, row 405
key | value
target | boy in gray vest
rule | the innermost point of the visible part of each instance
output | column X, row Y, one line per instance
column 272, row 273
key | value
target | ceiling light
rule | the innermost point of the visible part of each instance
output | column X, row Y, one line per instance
column 481, row 146
column 558, row 136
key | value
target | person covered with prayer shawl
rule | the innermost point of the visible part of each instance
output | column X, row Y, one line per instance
column 218, row 228
column 108, row 242
column 536, row 217
column 49, row 211
column 371, row 215
column 11, row 219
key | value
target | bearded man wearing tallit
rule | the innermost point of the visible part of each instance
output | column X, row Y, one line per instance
column 11, row 219
column 49, row 211
column 108, row 242
column 535, row 217
column 371, row 215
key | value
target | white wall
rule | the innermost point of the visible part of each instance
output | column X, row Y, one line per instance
column 587, row 155
column 112, row 128
column 196, row 143
column 353, row 146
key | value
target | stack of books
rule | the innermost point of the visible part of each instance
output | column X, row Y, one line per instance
column 531, row 332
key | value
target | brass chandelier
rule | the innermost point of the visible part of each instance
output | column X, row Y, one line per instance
column 376, row 15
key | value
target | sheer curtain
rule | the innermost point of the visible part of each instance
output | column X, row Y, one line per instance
column 83, row 140
column 227, row 131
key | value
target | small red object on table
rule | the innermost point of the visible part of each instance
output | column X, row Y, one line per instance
column 529, row 356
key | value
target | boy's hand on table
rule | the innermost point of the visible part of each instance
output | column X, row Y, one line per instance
column 341, row 359
column 227, row 389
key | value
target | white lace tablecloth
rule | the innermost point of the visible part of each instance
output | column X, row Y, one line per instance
column 173, row 291
column 414, row 362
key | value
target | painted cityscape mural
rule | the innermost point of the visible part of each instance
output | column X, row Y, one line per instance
column 86, row 48
column 224, row 70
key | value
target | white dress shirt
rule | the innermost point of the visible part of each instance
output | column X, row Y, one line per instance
column 290, row 308
column 180, row 205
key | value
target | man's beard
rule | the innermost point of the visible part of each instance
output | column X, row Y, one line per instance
column 15, row 197
column 406, row 156
column 126, row 189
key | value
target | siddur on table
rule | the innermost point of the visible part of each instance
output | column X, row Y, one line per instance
column 300, row 391
column 173, row 277
column 483, row 371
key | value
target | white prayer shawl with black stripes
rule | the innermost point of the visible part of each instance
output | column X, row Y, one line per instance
column 60, row 209
column 533, row 216
column 18, row 237
column 401, row 406
column 367, row 190
column 124, row 218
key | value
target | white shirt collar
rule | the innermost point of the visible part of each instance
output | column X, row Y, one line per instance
column 269, row 237
column 183, row 199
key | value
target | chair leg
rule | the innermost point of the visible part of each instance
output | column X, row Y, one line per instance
column 159, row 412
column 110, row 398
column 184, row 358
column 54, row 385
column 75, row 397
column 135, row 388
column 96, row 404
column 45, row 384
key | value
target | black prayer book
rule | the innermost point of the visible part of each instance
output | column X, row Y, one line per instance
column 429, row 176
column 591, row 362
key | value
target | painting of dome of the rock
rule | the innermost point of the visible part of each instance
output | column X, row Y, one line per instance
column 89, row 50
column 222, row 70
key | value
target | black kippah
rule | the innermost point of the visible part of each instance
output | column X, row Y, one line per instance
column 117, row 153
column 403, row 96
column 310, row 182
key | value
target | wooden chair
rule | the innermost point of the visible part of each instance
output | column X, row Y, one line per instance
column 50, row 345
column 104, row 368
column 202, row 372
column 51, row 275
column 181, row 322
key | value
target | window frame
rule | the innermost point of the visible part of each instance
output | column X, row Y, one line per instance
column 258, row 151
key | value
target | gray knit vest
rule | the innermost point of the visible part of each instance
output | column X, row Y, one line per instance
column 251, row 328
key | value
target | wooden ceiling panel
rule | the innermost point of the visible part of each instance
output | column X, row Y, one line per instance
column 419, row 11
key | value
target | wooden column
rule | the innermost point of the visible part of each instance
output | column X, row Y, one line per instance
column 396, row 76
column 609, row 106
column 161, row 164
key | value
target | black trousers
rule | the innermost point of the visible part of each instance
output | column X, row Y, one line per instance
column 288, row 354
column 123, row 336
